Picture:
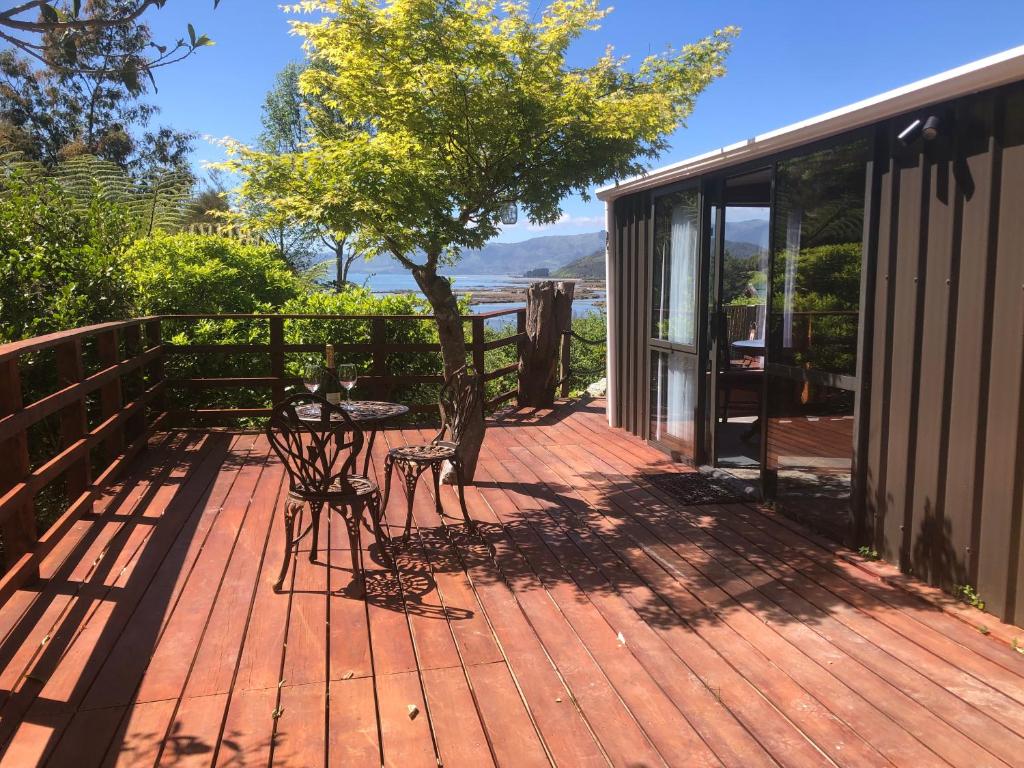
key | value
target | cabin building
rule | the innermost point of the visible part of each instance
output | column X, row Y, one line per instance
column 835, row 310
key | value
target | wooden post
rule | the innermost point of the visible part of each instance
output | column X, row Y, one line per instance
column 548, row 313
column 479, row 363
column 277, row 357
column 155, row 374
column 108, row 346
column 19, row 529
column 565, row 342
column 136, row 382
column 73, row 421
column 379, row 360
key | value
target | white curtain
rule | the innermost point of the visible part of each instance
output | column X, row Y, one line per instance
column 793, row 225
column 682, row 278
column 675, row 393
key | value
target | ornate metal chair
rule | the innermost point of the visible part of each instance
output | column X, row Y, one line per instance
column 461, row 396
column 310, row 436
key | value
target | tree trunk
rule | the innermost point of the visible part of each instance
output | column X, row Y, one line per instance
column 548, row 313
column 341, row 266
column 450, row 333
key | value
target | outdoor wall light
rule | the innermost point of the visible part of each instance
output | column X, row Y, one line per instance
column 930, row 129
column 509, row 214
column 909, row 135
column 927, row 129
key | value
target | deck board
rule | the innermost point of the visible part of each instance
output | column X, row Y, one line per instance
column 589, row 620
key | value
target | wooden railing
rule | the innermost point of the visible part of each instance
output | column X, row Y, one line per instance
column 80, row 427
column 376, row 380
column 77, row 406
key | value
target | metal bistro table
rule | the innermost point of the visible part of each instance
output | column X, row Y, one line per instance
column 370, row 415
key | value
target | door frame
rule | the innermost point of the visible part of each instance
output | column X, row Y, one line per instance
column 698, row 349
column 715, row 203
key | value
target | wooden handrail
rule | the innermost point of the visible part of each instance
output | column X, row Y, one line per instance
column 49, row 341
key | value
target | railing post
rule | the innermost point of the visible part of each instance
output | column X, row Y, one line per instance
column 73, row 422
column 19, row 529
column 520, row 351
column 378, row 363
column 108, row 345
column 277, row 357
column 478, row 347
column 563, row 362
column 155, row 374
column 135, row 385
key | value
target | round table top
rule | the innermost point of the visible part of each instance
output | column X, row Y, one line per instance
column 363, row 411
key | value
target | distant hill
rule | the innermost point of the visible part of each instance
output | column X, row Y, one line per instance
column 550, row 252
column 590, row 266
column 753, row 231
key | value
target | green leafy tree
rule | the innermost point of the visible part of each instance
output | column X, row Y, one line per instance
column 453, row 110
column 54, row 33
column 86, row 98
column 297, row 234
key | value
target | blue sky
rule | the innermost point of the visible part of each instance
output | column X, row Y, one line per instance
column 794, row 59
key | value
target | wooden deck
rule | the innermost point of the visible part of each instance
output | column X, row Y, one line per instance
column 592, row 621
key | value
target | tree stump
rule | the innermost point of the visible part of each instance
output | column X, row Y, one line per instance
column 548, row 314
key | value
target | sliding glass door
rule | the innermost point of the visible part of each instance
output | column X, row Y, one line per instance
column 674, row 323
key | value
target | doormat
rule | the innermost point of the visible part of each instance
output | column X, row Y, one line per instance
column 694, row 488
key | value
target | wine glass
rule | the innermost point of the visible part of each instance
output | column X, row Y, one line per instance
column 348, row 375
column 311, row 374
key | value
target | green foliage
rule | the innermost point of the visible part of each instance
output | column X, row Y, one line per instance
column 157, row 203
column 968, row 594
column 202, row 273
column 62, row 262
column 587, row 361
column 868, row 553
column 449, row 111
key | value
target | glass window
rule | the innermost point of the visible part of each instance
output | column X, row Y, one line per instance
column 674, row 271
column 818, row 226
column 674, row 399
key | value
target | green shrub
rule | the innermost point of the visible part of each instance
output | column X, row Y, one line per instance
column 175, row 274
column 61, row 266
column 587, row 361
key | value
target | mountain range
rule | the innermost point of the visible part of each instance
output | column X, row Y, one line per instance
column 566, row 255
column 549, row 251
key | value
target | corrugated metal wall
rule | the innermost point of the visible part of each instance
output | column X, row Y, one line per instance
column 945, row 428
column 630, row 287
column 943, row 458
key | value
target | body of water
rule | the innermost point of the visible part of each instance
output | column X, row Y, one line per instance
column 403, row 282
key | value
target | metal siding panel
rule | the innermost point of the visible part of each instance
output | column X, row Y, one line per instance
column 902, row 339
column 643, row 299
column 878, row 421
column 859, row 532
column 630, row 319
column 634, row 422
column 931, row 554
column 973, row 166
column 999, row 553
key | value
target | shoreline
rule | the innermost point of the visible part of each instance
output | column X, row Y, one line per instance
column 585, row 289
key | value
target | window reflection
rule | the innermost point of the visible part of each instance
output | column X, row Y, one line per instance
column 819, row 216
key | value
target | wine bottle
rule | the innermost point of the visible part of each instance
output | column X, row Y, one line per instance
column 329, row 388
